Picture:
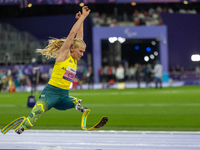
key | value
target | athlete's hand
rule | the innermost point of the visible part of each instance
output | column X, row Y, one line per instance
column 85, row 11
column 78, row 15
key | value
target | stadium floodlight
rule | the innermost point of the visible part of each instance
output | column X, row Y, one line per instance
column 121, row 39
column 156, row 53
column 195, row 57
column 152, row 56
column 112, row 39
column 153, row 42
column 146, row 58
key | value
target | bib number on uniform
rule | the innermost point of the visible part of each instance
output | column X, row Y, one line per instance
column 70, row 74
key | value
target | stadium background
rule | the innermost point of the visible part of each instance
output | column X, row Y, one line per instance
column 169, row 109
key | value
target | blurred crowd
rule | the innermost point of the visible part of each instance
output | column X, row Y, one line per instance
column 147, row 17
column 17, row 78
column 134, row 73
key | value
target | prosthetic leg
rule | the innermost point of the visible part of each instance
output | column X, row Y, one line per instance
column 23, row 123
column 101, row 123
column 12, row 125
column 39, row 108
column 86, row 112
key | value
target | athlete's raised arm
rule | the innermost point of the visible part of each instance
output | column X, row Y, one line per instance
column 80, row 31
column 64, row 51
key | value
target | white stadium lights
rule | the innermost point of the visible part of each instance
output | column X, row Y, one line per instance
column 156, row 53
column 195, row 57
column 114, row 39
column 146, row 58
column 153, row 42
column 121, row 39
column 152, row 56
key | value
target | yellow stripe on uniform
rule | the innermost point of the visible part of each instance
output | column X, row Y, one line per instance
column 42, row 107
column 29, row 122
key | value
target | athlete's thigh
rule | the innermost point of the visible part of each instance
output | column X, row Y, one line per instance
column 66, row 102
column 50, row 97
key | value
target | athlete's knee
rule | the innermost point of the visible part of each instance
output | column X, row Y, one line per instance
column 76, row 100
column 78, row 106
column 43, row 103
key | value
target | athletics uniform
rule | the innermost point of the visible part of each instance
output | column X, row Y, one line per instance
column 56, row 92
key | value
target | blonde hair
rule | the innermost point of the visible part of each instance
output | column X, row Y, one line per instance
column 51, row 50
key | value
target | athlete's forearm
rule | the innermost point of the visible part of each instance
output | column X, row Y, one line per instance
column 80, row 32
column 78, row 27
column 72, row 33
column 66, row 45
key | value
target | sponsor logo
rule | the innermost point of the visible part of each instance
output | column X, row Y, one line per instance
column 63, row 68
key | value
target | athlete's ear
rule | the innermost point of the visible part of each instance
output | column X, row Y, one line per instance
column 71, row 49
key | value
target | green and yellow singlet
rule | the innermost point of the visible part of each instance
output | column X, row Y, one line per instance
column 63, row 73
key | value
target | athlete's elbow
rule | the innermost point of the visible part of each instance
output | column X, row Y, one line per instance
column 72, row 33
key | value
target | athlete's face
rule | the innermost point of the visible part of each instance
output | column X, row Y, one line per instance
column 77, row 53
